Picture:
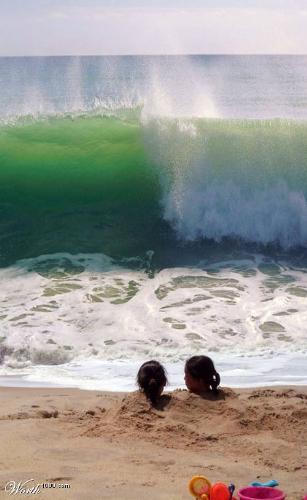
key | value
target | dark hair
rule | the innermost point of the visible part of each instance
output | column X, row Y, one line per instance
column 150, row 378
column 202, row 368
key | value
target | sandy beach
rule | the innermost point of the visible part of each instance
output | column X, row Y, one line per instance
column 100, row 445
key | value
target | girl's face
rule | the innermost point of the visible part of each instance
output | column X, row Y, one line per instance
column 193, row 384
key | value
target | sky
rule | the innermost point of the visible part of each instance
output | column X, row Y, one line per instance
column 94, row 27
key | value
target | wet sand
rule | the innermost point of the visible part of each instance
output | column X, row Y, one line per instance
column 100, row 445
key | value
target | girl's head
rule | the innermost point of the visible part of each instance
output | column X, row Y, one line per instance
column 151, row 378
column 200, row 375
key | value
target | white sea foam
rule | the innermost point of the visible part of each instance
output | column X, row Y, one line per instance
column 65, row 318
column 275, row 214
column 118, row 376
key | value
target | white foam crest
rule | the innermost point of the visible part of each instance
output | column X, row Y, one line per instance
column 215, row 189
column 275, row 214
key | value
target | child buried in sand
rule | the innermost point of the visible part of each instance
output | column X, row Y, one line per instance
column 201, row 376
column 151, row 379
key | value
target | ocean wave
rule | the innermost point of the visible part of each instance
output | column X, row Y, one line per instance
column 122, row 183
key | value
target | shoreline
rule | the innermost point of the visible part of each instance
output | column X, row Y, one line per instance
column 113, row 445
column 238, row 372
column 41, row 385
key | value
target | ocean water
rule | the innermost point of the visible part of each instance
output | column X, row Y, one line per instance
column 153, row 207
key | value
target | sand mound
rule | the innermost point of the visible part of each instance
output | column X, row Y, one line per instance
column 89, row 437
column 230, row 422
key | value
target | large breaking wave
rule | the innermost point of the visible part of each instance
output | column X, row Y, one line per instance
column 89, row 183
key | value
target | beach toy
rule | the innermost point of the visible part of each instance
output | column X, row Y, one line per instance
column 199, row 487
column 219, row 491
column 271, row 484
column 261, row 493
column 231, row 488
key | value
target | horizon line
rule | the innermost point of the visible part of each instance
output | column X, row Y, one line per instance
column 161, row 55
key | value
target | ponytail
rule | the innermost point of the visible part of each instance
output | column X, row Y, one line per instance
column 202, row 368
column 152, row 391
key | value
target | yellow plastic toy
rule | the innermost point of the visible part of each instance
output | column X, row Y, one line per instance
column 200, row 487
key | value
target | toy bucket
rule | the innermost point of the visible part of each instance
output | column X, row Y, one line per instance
column 261, row 492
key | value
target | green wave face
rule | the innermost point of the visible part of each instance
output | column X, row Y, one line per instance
column 121, row 186
column 80, row 184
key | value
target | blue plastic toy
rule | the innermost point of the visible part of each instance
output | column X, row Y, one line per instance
column 269, row 484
